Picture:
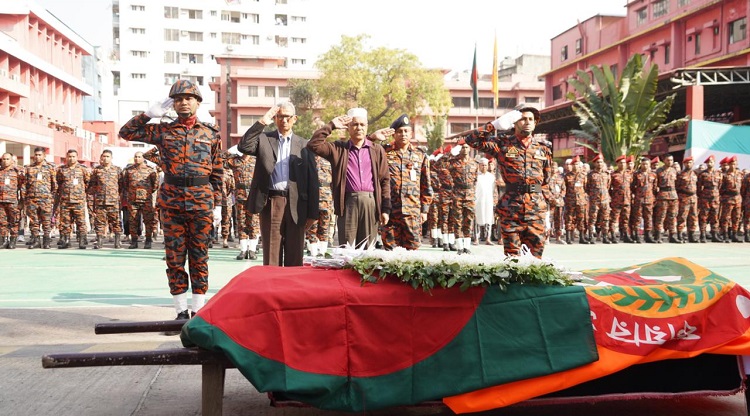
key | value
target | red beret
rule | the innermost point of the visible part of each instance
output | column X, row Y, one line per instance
column 437, row 151
column 655, row 159
column 631, row 158
column 461, row 142
column 447, row 148
column 687, row 159
column 576, row 159
column 597, row 157
column 623, row 157
column 710, row 157
column 732, row 159
column 723, row 161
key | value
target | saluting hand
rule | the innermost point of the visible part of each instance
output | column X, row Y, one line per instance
column 341, row 122
column 383, row 134
column 270, row 114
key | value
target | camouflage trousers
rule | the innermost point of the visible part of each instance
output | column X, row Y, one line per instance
column 186, row 237
column 558, row 220
column 746, row 217
column 518, row 230
column 403, row 230
column 687, row 213
column 248, row 223
column 9, row 214
column 620, row 217
column 708, row 214
column 731, row 214
column 433, row 219
column 599, row 216
column 40, row 214
column 226, row 221
column 107, row 215
column 462, row 217
column 320, row 229
column 575, row 218
column 444, row 213
column 73, row 213
column 665, row 215
column 147, row 212
column 643, row 212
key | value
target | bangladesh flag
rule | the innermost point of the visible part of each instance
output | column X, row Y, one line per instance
column 321, row 337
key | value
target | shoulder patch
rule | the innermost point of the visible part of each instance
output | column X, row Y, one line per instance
column 211, row 126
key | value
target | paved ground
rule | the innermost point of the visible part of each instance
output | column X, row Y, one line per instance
column 52, row 298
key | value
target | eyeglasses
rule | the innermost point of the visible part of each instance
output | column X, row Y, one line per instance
column 283, row 116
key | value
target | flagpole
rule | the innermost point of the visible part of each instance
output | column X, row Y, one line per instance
column 475, row 87
column 494, row 78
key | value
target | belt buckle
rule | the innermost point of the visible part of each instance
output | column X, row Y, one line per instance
column 534, row 187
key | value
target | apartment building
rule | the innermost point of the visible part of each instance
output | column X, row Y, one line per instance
column 157, row 42
column 41, row 85
column 701, row 47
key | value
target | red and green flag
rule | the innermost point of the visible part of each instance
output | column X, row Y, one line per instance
column 474, row 82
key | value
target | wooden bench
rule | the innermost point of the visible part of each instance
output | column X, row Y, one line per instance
column 213, row 364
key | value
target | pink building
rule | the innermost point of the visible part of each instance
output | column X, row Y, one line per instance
column 701, row 47
column 41, row 85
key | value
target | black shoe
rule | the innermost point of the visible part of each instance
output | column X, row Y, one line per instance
column 452, row 247
column 242, row 255
column 183, row 315
column 251, row 255
column 147, row 243
column 133, row 243
column 466, row 250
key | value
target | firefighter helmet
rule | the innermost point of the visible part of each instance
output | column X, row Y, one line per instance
column 184, row 86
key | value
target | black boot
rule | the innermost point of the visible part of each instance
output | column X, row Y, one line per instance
column 605, row 238
column 452, row 247
column 242, row 255
column 657, row 237
column 251, row 255
column 117, row 241
column 133, row 242
column 612, row 238
column 747, row 236
column 673, row 239
column 64, row 241
column 648, row 237
column 98, row 242
column 445, row 247
column 147, row 243
column 691, row 237
column 582, row 239
column 702, row 237
column 736, row 237
column 82, row 241
column 4, row 242
column 34, row 242
column 46, row 242
column 12, row 242
column 715, row 237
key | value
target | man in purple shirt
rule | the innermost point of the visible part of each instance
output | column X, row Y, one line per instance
column 360, row 177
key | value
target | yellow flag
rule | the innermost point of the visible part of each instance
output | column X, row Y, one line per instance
column 494, row 73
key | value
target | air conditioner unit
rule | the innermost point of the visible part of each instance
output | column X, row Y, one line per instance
column 230, row 48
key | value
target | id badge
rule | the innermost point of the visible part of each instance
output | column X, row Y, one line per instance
column 75, row 181
column 7, row 181
column 413, row 175
column 39, row 176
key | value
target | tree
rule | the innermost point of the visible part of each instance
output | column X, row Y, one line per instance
column 435, row 132
column 622, row 117
column 304, row 96
column 386, row 82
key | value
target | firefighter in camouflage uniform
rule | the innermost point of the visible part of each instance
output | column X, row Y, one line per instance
column 72, row 181
column 644, row 191
column 619, row 192
column 139, row 183
column 687, row 201
column 105, row 187
column 709, row 181
column 731, row 202
column 597, row 189
column 11, row 195
column 41, row 187
column 317, row 235
column 243, row 168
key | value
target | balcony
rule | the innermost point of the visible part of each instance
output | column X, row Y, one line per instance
column 11, row 83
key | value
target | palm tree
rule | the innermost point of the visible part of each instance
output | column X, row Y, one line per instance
column 622, row 117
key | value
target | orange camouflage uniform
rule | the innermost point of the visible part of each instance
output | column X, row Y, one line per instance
column 71, row 190
column 193, row 168
column 139, row 183
column 411, row 195
column 11, row 193
column 243, row 169
column 41, row 187
column 104, row 186
column 526, row 171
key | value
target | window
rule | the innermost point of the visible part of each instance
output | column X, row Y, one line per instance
column 138, row 76
column 270, row 92
column 254, row 39
column 683, row 3
column 579, row 46
column 136, row 113
column 213, row 13
column 139, row 54
column 738, row 30
column 459, row 127
column 197, row 80
column 171, row 12
column 530, row 100
column 641, row 16
column 229, row 16
column 615, row 70
column 170, row 79
column 660, row 8
column 506, row 102
column 299, row 19
column 299, row 40
column 171, row 35
column 171, row 57
column 281, row 41
column 280, row 20
column 697, row 45
column 212, row 35
column 652, row 55
column 195, row 14
column 137, row 8
column 485, row 102
column 556, row 92
column 230, row 38
column 564, row 53
column 667, row 53
column 247, row 120
column 193, row 58
column 252, row 17
column 195, row 36
column 284, row 92
column 299, row 61
column 252, row 91
column 138, row 30
column 462, row 102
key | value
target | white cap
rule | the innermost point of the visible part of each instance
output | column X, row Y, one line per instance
column 455, row 150
column 560, row 169
column 484, row 161
column 568, row 161
column 357, row 112
column 507, row 120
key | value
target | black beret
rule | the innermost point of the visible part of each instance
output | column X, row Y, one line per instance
column 402, row 121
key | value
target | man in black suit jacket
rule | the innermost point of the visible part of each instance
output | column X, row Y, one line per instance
column 284, row 188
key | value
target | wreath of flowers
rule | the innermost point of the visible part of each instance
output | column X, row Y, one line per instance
column 420, row 270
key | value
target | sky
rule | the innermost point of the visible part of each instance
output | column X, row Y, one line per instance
column 441, row 33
